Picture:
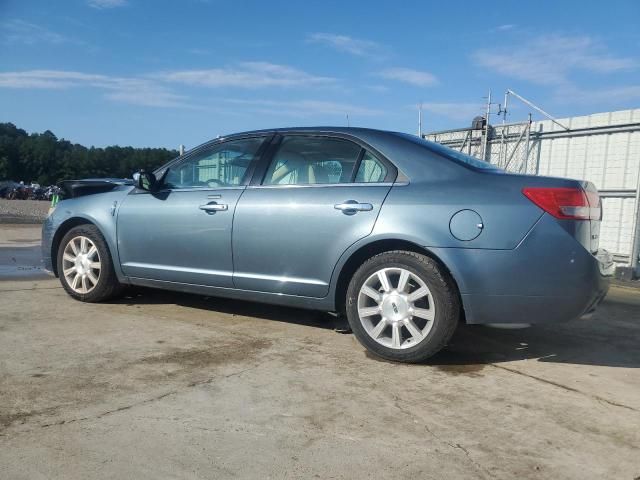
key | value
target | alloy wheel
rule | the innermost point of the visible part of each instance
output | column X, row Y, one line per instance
column 396, row 308
column 81, row 264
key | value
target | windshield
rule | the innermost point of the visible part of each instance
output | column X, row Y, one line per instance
column 451, row 153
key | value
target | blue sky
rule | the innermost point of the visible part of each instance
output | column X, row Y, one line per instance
column 162, row 73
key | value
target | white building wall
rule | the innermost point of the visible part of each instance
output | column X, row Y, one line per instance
column 616, row 231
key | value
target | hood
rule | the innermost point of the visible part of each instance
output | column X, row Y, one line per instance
column 90, row 186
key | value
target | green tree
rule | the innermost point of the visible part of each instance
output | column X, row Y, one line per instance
column 45, row 158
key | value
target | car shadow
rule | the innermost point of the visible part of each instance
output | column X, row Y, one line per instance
column 148, row 296
column 610, row 338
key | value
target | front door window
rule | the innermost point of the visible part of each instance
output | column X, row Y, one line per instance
column 221, row 165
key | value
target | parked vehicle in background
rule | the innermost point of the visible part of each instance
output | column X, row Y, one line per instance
column 18, row 191
column 50, row 191
column 405, row 237
column 36, row 193
column 6, row 187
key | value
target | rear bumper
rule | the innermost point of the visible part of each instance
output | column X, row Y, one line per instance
column 531, row 310
column 549, row 277
column 607, row 269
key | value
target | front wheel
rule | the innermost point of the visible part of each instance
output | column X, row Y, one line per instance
column 85, row 266
column 402, row 306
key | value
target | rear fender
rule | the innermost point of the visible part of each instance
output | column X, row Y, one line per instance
column 377, row 244
column 423, row 212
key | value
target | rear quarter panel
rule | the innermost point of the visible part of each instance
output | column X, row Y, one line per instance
column 422, row 211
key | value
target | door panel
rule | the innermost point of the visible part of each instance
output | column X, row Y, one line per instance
column 183, row 232
column 179, row 236
column 288, row 239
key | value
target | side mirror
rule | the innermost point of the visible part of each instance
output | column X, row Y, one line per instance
column 144, row 180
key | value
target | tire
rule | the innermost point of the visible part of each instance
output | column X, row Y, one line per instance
column 101, row 283
column 428, row 303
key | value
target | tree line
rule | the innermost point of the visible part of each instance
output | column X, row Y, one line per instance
column 46, row 159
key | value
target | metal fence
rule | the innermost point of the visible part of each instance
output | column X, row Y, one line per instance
column 508, row 146
column 602, row 148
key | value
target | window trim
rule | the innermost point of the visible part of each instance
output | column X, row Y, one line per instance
column 325, row 185
column 359, row 164
column 268, row 156
column 356, row 167
column 261, row 168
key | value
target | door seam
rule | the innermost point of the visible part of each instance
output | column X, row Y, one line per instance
column 233, row 222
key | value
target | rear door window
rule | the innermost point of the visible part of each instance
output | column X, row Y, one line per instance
column 307, row 160
column 371, row 170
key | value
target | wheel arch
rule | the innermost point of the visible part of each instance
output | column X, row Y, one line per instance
column 364, row 252
column 63, row 229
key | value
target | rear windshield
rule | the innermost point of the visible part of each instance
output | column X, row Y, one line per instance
column 451, row 154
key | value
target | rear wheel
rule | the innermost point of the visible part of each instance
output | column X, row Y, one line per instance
column 402, row 306
column 85, row 267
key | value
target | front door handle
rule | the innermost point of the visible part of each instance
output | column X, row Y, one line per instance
column 214, row 207
column 351, row 206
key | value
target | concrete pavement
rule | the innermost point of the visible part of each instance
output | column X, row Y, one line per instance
column 164, row 385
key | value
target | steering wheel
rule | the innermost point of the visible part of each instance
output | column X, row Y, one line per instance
column 215, row 182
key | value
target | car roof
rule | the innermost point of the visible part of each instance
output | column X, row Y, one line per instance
column 372, row 137
column 355, row 131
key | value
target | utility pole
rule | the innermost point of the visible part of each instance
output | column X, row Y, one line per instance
column 526, row 152
column 181, row 149
column 503, row 110
column 348, row 124
column 486, row 128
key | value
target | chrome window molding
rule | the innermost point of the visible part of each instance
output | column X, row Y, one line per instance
column 324, row 185
column 137, row 191
column 202, row 189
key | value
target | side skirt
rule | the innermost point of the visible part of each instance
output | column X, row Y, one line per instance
column 311, row 303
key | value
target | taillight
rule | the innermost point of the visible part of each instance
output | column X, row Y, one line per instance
column 566, row 203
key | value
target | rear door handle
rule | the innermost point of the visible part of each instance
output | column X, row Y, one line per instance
column 351, row 206
column 214, row 207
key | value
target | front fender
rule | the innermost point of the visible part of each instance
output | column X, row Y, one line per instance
column 100, row 210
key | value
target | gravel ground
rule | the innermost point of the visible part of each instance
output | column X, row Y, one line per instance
column 23, row 211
